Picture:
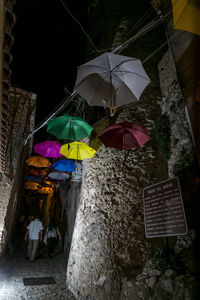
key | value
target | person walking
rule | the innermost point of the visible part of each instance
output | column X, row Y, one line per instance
column 33, row 235
column 53, row 235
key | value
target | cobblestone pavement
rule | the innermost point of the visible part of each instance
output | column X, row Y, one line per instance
column 15, row 267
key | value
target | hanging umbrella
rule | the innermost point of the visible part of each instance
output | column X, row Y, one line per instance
column 69, row 127
column 65, row 165
column 60, row 176
column 48, row 149
column 77, row 150
column 38, row 162
column 111, row 80
column 45, row 190
column 186, row 15
column 36, row 172
column 33, row 178
column 29, row 185
column 124, row 136
column 48, row 183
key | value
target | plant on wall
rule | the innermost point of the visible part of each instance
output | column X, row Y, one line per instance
column 162, row 136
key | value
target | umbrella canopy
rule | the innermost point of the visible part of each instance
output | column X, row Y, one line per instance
column 48, row 149
column 33, row 178
column 38, row 162
column 124, row 136
column 69, row 127
column 45, row 190
column 111, row 80
column 65, row 165
column 36, row 172
column 58, row 176
column 48, row 184
column 186, row 15
column 29, row 185
column 77, row 150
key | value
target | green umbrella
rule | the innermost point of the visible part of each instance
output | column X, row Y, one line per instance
column 69, row 127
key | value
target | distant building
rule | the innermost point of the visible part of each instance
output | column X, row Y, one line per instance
column 17, row 117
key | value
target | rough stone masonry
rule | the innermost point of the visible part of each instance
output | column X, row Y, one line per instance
column 110, row 257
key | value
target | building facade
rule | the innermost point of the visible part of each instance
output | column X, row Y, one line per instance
column 17, row 115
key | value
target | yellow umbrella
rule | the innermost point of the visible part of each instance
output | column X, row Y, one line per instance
column 38, row 162
column 186, row 14
column 77, row 150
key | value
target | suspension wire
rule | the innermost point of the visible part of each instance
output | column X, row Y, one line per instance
column 136, row 25
column 83, row 30
column 145, row 29
column 54, row 110
column 146, row 15
column 159, row 48
column 60, row 108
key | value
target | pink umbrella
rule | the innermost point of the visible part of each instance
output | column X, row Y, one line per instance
column 124, row 136
column 48, row 149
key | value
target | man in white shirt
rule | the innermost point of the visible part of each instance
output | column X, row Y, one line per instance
column 34, row 234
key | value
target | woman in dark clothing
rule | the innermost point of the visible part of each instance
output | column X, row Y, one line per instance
column 53, row 235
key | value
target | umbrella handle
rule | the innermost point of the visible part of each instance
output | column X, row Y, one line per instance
column 125, row 157
column 113, row 111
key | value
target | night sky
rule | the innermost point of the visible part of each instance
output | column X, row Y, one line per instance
column 48, row 47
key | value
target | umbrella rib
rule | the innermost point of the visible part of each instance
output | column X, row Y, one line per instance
column 135, row 136
column 131, row 59
column 125, row 72
column 93, row 98
column 182, row 12
column 99, row 67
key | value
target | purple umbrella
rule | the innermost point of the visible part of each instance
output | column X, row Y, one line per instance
column 48, row 149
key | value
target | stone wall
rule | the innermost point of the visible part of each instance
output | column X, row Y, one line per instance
column 21, row 110
column 70, row 197
column 5, row 189
column 108, row 242
column 110, row 256
column 172, row 104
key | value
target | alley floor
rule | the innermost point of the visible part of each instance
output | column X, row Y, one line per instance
column 15, row 267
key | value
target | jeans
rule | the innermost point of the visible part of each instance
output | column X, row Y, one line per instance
column 51, row 242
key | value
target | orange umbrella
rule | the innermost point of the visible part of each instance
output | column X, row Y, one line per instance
column 45, row 190
column 48, row 183
column 36, row 172
column 31, row 185
column 38, row 162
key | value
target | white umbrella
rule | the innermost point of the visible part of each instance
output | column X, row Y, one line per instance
column 111, row 80
column 58, row 175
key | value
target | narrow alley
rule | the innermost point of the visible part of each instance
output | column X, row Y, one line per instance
column 99, row 150
column 16, row 267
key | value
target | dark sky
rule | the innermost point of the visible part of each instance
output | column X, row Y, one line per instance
column 48, row 47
